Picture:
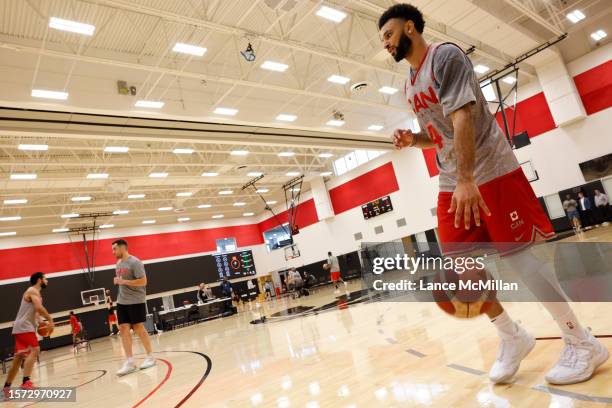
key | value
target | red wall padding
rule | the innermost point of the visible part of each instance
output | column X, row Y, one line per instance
column 430, row 161
column 532, row 115
column 367, row 187
column 306, row 215
column 595, row 87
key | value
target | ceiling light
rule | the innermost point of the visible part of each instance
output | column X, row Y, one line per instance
column 97, row 176
column 149, row 104
column 164, row 209
column 293, row 173
column 7, row 234
column 509, row 80
column 182, row 151
column 35, row 147
column 286, row 154
column 240, row 204
column 204, row 206
column 136, row 196
column 116, row 149
column 575, row 16
column 335, row 122
column 61, row 230
column 81, row 198
column 274, row 66
column 286, row 117
column 23, row 176
column 148, row 222
column 225, row 192
column 226, row 111
column 326, row 173
column 158, row 175
column 325, row 155
column 375, row 127
column 331, row 14
column 16, row 201
column 72, row 26
column 262, row 190
column 218, row 216
column 121, row 212
column 338, row 79
column 104, row 226
column 254, row 174
column 73, row 215
column 43, row 93
column 239, row 152
column 488, row 92
column 271, row 202
column 185, row 194
column 15, row 218
column 209, row 174
column 189, row 49
column 294, row 189
column 387, row 90
column 481, row 69
column 183, row 219
column 598, row 35
column 248, row 214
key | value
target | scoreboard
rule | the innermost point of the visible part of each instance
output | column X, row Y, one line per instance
column 377, row 207
column 234, row 264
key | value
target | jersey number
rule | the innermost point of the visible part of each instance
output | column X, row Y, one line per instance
column 434, row 135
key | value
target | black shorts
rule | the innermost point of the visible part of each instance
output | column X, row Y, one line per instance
column 131, row 314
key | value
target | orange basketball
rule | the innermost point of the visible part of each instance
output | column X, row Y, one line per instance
column 325, row 266
column 464, row 303
column 44, row 329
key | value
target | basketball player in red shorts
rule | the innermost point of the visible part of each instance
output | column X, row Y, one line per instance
column 112, row 318
column 24, row 331
column 484, row 196
column 75, row 327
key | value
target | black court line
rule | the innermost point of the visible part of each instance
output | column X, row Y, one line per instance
column 415, row 353
column 598, row 336
column 201, row 381
column 465, row 369
column 391, row 340
column 103, row 373
column 573, row 395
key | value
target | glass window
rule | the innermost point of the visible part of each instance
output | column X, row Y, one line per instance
column 226, row 244
column 362, row 156
column 554, row 206
column 372, row 154
column 340, row 166
column 351, row 161
column 277, row 237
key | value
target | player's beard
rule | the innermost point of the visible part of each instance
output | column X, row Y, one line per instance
column 403, row 47
column 43, row 285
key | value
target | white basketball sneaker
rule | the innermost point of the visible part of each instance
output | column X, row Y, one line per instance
column 128, row 367
column 512, row 350
column 148, row 362
column 579, row 360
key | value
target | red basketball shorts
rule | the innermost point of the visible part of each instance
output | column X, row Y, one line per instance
column 25, row 342
column 335, row 276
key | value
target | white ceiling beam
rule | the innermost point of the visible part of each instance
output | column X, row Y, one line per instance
column 533, row 15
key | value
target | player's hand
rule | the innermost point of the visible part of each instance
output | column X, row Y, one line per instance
column 51, row 323
column 117, row 280
column 403, row 138
column 467, row 201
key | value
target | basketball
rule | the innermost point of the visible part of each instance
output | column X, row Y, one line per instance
column 464, row 303
column 44, row 329
column 326, row 266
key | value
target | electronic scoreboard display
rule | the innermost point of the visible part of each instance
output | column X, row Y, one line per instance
column 234, row 264
column 377, row 207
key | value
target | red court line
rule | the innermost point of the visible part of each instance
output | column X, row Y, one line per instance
column 158, row 385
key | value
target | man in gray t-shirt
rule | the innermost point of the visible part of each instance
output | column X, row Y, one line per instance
column 131, row 305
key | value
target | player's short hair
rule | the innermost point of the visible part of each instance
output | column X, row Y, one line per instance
column 121, row 242
column 405, row 12
column 35, row 277
column 329, row 253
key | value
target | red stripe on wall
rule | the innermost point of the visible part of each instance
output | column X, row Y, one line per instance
column 306, row 215
column 367, row 187
column 22, row 262
column 532, row 115
column 595, row 87
column 430, row 161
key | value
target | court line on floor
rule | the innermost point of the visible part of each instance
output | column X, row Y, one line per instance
column 154, row 390
column 598, row 336
column 201, row 381
column 573, row 395
column 104, row 372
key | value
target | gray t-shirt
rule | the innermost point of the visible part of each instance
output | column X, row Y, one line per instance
column 443, row 83
column 570, row 205
column 130, row 269
column 333, row 263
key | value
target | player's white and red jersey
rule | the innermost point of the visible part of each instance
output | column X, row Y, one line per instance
column 444, row 82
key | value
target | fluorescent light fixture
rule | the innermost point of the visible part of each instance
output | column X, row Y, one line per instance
column 7, row 234
column 286, row 117
column 510, row 80
column 189, row 49
column 164, row 209
column 16, row 201
column 185, row 194
column 387, row 90
column 23, row 176
column 97, row 176
column 105, row 226
column 218, row 216
column 575, row 16
column 326, row 173
column 286, row 154
column 254, row 174
column 331, row 14
column 72, row 26
column 262, row 190
column 481, row 69
column 61, row 230
column 226, row 192
column 121, row 212
column 294, row 189
column 148, row 222
column 338, row 79
column 248, row 214
column 81, row 198
column 183, row 219
column 271, row 202
column 15, row 218
column 274, row 66
column 204, row 206
column 325, row 155
column 149, row 104
column 209, row 174
column 239, row 152
column 158, row 175
column 133, row 196
column 116, row 149
column 73, row 215
column 598, row 35
column 489, row 93
column 334, row 122
column 182, row 151
column 375, row 127
column 293, row 173
column 44, row 93
column 239, row 204
column 35, row 147
column 226, row 111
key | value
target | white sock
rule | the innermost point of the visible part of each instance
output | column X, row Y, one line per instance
column 505, row 326
column 130, row 360
column 150, row 355
column 566, row 319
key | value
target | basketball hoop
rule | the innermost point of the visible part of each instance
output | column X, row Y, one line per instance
column 292, row 252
